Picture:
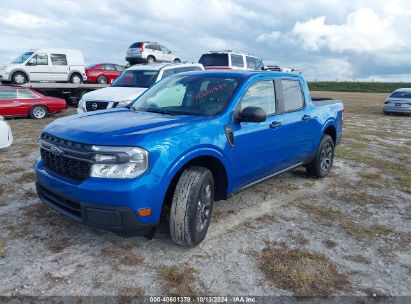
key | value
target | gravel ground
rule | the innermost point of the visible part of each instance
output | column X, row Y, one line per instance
column 355, row 222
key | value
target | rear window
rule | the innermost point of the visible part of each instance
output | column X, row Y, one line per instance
column 292, row 94
column 401, row 94
column 136, row 45
column 136, row 78
column 214, row 60
column 237, row 60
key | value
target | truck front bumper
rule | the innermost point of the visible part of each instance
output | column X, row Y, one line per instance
column 110, row 207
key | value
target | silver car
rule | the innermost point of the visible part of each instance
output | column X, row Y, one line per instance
column 150, row 52
column 398, row 102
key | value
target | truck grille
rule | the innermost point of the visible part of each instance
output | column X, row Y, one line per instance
column 96, row 105
column 72, row 163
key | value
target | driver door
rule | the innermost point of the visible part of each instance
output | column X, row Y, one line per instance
column 259, row 147
column 39, row 68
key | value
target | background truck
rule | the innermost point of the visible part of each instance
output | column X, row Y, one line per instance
column 188, row 141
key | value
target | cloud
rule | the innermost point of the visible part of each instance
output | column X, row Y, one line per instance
column 364, row 31
column 268, row 37
column 23, row 20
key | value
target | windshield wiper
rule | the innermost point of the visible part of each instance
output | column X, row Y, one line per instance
column 160, row 111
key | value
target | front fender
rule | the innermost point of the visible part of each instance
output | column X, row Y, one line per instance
column 18, row 70
column 187, row 156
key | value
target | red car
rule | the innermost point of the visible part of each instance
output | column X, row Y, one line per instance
column 103, row 73
column 18, row 101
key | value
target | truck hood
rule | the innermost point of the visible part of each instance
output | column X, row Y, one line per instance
column 114, row 94
column 117, row 127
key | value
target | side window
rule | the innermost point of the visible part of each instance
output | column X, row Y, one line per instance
column 58, row 59
column 155, row 47
column 167, row 73
column 292, row 93
column 111, row 67
column 251, row 62
column 164, row 50
column 260, row 94
column 39, row 59
column 149, row 46
column 8, row 94
column 119, row 68
column 237, row 60
column 103, row 67
column 27, row 94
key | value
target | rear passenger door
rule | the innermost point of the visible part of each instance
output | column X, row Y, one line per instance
column 297, row 121
column 237, row 61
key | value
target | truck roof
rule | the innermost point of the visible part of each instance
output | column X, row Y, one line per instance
column 242, row 73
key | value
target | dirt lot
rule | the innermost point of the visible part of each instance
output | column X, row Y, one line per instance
column 346, row 234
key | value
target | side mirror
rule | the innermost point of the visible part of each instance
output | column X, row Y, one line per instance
column 31, row 63
column 252, row 114
column 169, row 52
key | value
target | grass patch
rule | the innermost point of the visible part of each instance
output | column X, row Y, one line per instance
column 356, row 86
column 357, row 258
column 305, row 273
column 178, row 281
column 2, row 250
column 329, row 217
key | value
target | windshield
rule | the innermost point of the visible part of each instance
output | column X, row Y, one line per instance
column 214, row 60
column 401, row 94
column 136, row 78
column 188, row 95
column 23, row 57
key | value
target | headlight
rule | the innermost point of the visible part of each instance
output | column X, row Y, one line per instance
column 82, row 105
column 123, row 104
column 119, row 162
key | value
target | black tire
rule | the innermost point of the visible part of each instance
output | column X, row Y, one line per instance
column 101, row 80
column 192, row 206
column 177, row 60
column 321, row 165
column 151, row 59
column 19, row 78
column 38, row 112
column 76, row 78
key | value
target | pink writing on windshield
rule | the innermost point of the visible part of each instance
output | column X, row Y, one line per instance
column 212, row 90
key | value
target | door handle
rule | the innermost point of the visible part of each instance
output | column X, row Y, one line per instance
column 275, row 124
column 306, row 117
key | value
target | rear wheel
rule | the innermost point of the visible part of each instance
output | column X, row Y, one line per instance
column 19, row 78
column 76, row 78
column 151, row 59
column 192, row 206
column 177, row 60
column 38, row 112
column 321, row 165
column 102, row 80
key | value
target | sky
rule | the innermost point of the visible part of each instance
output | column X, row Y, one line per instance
column 325, row 39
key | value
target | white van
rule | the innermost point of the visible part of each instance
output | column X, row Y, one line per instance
column 46, row 65
column 6, row 138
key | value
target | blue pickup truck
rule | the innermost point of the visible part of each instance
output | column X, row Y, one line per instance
column 190, row 140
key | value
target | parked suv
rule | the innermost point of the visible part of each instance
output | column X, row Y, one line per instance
column 131, row 84
column 229, row 60
column 46, row 65
column 150, row 52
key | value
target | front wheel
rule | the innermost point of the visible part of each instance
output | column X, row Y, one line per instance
column 321, row 165
column 177, row 60
column 151, row 59
column 19, row 78
column 192, row 206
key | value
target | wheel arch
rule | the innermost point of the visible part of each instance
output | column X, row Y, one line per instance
column 210, row 159
column 330, row 129
column 19, row 70
column 75, row 72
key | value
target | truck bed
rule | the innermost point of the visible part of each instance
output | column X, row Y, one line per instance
column 324, row 101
